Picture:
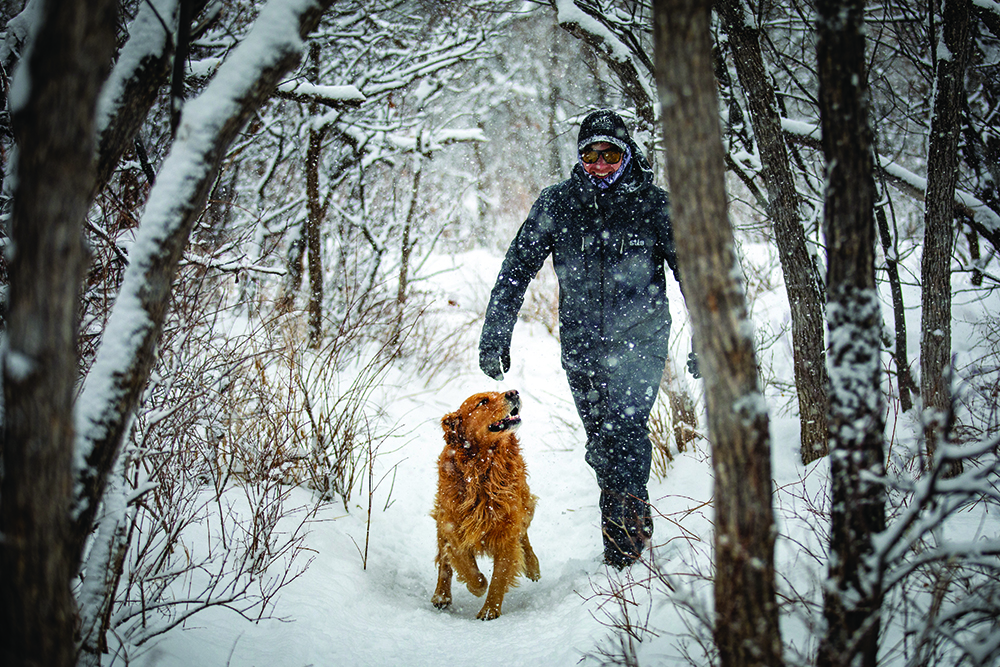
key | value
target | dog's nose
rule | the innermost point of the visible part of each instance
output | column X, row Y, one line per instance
column 511, row 394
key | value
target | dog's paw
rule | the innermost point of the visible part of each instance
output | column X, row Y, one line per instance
column 441, row 601
column 531, row 568
column 479, row 587
column 488, row 612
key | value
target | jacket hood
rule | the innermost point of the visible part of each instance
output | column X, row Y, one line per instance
column 606, row 125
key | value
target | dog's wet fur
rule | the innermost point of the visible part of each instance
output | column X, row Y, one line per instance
column 483, row 504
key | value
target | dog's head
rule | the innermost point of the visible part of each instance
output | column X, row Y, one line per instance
column 483, row 415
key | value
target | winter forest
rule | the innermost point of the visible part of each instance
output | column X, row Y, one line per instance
column 248, row 246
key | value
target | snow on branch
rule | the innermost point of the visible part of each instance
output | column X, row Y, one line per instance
column 148, row 47
column 424, row 64
column 134, row 84
column 985, row 219
column 571, row 17
column 589, row 25
column 988, row 11
column 335, row 97
column 436, row 140
column 988, row 5
column 933, row 500
column 209, row 124
column 977, row 212
column 962, row 566
column 18, row 32
column 808, row 133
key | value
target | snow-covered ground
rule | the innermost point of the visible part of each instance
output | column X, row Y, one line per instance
column 343, row 613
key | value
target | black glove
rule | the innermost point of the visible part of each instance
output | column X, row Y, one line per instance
column 693, row 365
column 494, row 362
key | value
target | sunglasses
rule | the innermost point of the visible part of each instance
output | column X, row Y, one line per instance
column 611, row 155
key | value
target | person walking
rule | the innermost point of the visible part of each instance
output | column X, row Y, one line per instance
column 608, row 230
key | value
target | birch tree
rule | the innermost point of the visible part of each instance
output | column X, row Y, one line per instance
column 746, row 612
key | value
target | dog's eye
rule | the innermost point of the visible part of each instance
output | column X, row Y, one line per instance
column 483, row 402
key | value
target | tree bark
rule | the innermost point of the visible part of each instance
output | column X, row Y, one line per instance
column 555, row 94
column 54, row 127
column 935, row 266
column 904, row 379
column 746, row 626
column 852, row 597
column 182, row 43
column 802, row 285
column 315, row 216
column 407, row 242
column 136, row 90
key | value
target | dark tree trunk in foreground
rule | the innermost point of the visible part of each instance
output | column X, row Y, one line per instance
column 746, row 630
column 55, row 132
column 805, row 298
column 935, row 268
column 853, row 596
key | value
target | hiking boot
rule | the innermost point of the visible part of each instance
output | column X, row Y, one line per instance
column 626, row 526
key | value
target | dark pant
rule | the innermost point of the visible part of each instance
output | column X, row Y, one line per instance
column 614, row 397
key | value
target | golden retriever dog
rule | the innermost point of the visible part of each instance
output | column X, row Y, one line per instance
column 483, row 505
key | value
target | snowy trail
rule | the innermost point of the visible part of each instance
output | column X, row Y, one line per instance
column 339, row 613
column 342, row 614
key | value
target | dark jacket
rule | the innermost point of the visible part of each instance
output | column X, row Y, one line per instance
column 608, row 248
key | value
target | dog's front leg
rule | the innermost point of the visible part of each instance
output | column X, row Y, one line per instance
column 445, row 556
column 464, row 562
column 504, row 571
column 442, row 594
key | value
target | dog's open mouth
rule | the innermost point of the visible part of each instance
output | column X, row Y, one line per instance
column 508, row 423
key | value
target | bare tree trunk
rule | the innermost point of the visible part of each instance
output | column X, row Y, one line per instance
column 293, row 266
column 852, row 598
column 904, row 379
column 802, row 285
column 555, row 93
column 407, row 243
column 54, row 126
column 315, row 219
column 746, row 629
column 935, row 267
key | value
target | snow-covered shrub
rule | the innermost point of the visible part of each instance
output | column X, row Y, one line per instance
column 198, row 512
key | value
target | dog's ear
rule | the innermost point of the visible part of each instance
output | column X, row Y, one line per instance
column 450, row 423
